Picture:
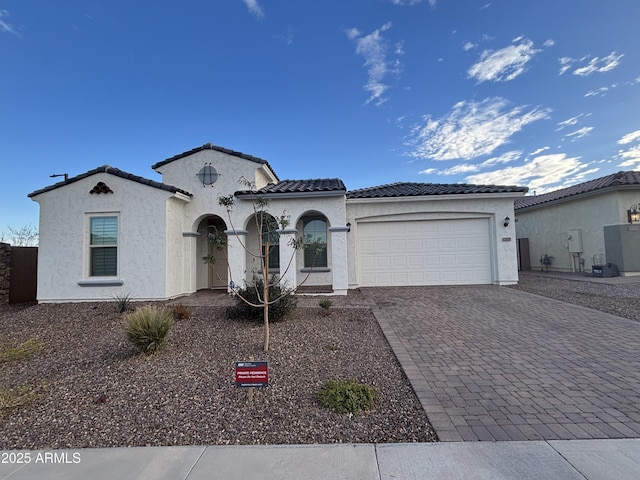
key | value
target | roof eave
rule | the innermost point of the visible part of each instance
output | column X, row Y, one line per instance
column 437, row 197
column 116, row 173
column 210, row 146
column 332, row 193
column 577, row 196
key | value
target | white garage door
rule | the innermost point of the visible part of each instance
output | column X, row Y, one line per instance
column 430, row 252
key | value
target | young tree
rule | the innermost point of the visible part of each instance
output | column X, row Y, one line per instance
column 267, row 227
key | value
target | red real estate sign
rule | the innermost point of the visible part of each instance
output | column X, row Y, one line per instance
column 252, row 374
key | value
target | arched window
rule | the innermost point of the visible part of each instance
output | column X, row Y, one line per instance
column 315, row 242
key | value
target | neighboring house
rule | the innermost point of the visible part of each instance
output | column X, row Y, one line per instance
column 575, row 228
column 107, row 232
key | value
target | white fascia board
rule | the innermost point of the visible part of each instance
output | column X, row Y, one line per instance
column 270, row 174
column 435, row 198
column 182, row 196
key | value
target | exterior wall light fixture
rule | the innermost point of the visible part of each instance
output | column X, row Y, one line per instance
column 507, row 220
column 633, row 215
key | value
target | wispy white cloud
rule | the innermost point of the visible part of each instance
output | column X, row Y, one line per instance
column 286, row 38
column 505, row 64
column 471, row 129
column 255, row 8
column 539, row 174
column 630, row 138
column 506, row 157
column 5, row 26
column 539, row 150
column 581, row 132
column 593, row 65
column 459, row 169
column 549, row 43
column 469, row 46
column 373, row 48
column 411, row 3
column 569, row 122
column 599, row 65
column 598, row 92
column 578, row 177
column 565, row 64
column 631, row 156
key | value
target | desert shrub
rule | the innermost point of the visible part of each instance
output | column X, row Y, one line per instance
column 25, row 349
column 122, row 301
column 180, row 312
column 147, row 327
column 286, row 302
column 346, row 396
column 326, row 305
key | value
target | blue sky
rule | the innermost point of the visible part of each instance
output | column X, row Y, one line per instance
column 542, row 94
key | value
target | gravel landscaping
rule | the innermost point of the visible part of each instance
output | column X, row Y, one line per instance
column 92, row 390
column 83, row 385
column 620, row 299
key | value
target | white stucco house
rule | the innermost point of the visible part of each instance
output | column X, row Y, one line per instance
column 106, row 232
column 592, row 223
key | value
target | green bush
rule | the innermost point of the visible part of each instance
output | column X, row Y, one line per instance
column 253, row 292
column 122, row 302
column 326, row 305
column 346, row 396
column 147, row 327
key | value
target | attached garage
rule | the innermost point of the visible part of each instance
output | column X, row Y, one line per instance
column 405, row 234
column 425, row 252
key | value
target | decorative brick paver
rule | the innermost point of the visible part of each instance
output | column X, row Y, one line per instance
column 493, row 363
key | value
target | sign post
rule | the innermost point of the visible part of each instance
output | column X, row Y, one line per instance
column 252, row 375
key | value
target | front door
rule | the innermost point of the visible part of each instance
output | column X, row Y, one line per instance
column 218, row 271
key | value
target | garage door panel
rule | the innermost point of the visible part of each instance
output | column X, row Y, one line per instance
column 367, row 247
column 466, row 260
column 437, row 252
column 414, row 244
column 400, row 262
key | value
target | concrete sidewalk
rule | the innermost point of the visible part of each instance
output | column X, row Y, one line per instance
column 556, row 459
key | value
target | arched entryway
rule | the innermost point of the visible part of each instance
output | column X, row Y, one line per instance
column 212, row 275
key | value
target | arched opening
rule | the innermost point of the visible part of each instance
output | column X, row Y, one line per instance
column 314, row 259
column 215, row 274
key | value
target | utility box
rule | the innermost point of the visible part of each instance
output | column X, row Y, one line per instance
column 606, row 270
column 574, row 239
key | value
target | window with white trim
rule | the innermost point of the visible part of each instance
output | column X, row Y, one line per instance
column 103, row 246
column 315, row 242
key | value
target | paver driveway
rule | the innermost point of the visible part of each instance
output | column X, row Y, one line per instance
column 493, row 363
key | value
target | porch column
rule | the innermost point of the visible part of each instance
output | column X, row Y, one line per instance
column 236, row 256
column 288, row 276
column 339, row 267
column 190, row 283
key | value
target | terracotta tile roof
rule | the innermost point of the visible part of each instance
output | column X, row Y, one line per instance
column 319, row 185
column 408, row 189
column 615, row 180
column 118, row 173
column 210, row 146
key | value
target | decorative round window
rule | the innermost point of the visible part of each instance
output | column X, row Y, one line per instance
column 208, row 175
